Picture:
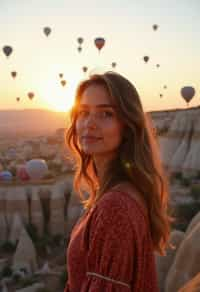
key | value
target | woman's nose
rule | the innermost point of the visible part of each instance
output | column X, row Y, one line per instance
column 91, row 121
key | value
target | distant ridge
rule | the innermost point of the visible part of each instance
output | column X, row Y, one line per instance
column 176, row 110
column 33, row 121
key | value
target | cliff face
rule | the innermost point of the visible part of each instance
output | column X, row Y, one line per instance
column 179, row 139
column 48, row 206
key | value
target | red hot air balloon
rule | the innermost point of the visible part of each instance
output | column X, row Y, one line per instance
column 99, row 43
column 47, row 30
column 80, row 40
column 13, row 74
column 7, row 50
column 31, row 95
column 22, row 173
column 63, row 82
column 187, row 93
column 146, row 59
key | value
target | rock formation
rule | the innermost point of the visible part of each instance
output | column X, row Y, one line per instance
column 163, row 263
column 179, row 139
column 185, row 265
column 57, row 219
column 25, row 257
column 16, row 228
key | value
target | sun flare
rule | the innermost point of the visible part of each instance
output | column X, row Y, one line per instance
column 59, row 97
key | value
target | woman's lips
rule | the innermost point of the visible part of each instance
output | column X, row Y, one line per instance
column 90, row 139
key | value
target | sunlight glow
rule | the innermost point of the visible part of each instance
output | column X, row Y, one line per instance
column 57, row 97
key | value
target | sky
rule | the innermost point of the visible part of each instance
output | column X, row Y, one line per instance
column 127, row 29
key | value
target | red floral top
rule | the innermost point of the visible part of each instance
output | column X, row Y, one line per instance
column 110, row 248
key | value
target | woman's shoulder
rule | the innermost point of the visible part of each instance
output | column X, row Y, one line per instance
column 122, row 193
column 117, row 207
column 123, row 198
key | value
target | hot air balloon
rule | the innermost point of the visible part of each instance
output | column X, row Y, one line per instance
column 146, row 59
column 6, row 175
column 61, row 75
column 79, row 49
column 36, row 168
column 18, row 99
column 165, row 86
column 22, row 173
column 99, row 43
column 155, row 27
column 80, row 40
column 161, row 95
column 84, row 68
column 13, row 74
column 157, row 65
column 187, row 93
column 30, row 95
column 7, row 50
column 47, row 30
column 114, row 64
column 63, row 82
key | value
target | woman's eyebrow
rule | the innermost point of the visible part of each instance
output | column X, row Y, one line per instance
column 98, row 105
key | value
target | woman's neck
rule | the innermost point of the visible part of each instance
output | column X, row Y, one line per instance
column 101, row 164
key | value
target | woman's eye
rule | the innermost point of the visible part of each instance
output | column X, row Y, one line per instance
column 106, row 114
column 83, row 113
column 98, row 114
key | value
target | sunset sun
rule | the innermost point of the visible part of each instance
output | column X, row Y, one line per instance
column 58, row 97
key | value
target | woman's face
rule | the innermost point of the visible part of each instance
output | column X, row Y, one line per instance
column 98, row 127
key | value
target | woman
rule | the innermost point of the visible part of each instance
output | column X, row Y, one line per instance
column 112, row 246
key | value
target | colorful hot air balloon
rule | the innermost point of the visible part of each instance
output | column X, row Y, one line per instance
column 155, row 27
column 187, row 93
column 7, row 50
column 31, row 95
column 114, row 64
column 63, row 82
column 61, row 75
column 99, row 43
column 47, row 30
column 80, row 40
column 36, row 168
column 79, row 49
column 6, row 175
column 18, row 99
column 146, row 59
column 84, row 68
column 13, row 74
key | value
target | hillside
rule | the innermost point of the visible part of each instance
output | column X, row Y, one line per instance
column 32, row 122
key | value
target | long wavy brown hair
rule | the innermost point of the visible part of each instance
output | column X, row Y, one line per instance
column 137, row 161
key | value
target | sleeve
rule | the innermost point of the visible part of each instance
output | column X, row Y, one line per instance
column 110, row 259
